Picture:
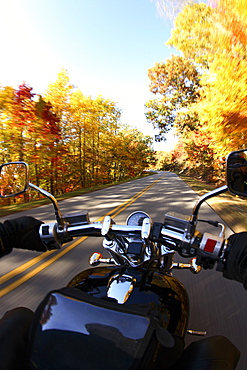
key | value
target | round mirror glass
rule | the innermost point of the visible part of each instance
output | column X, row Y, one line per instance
column 13, row 179
column 237, row 172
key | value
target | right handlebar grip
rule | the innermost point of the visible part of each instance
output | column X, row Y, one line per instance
column 212, row 244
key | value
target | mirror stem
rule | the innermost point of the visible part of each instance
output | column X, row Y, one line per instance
column 205, row 197
column 58, row 214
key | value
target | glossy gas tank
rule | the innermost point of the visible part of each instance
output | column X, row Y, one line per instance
column 152, row 290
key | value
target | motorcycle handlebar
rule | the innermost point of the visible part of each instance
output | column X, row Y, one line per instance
column 208, row 245
column 53, row 236
column 95, row 229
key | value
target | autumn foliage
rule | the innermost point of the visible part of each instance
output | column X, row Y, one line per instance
column 70, row 140
column 211, row 120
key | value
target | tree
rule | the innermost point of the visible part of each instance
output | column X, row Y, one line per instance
column 23, row 122
column 49, row 149
column 194, row 33
column 223, row 108
column 214, row 38
column 69, row 140
column 129, row 154
column 177, row 83
column 93, row 122
column 161, row 115
column 6, row 107
column 58, row 95
column 200, row 155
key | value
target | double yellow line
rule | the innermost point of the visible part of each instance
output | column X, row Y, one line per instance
column 113, row 213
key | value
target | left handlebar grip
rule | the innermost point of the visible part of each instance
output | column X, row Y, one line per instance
column 49, row 236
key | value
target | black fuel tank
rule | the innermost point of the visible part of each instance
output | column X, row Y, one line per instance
column 155, row 291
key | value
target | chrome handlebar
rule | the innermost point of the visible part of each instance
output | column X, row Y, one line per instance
column 207, row 245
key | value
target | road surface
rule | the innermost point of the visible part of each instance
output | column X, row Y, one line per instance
column 217, row 305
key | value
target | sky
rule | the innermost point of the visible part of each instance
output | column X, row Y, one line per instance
column 107, row 46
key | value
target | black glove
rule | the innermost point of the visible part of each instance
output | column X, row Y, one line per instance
column 236, row 261
column 22, row 232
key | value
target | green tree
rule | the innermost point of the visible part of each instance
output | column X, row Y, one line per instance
column 177, row 84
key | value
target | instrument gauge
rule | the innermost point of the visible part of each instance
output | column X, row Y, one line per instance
column 136, row 218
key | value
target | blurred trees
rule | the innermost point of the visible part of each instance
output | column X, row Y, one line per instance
column 69, row 140
column 213, row 40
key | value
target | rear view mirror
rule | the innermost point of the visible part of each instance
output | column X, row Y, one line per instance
column 13, row 179
column 236, row 172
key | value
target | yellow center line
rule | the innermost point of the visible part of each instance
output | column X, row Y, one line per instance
column 62, row 252
column 25, row 266
column 41, row 267
column 133, row 199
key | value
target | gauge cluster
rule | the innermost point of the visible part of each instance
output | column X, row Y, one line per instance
column 136, row 218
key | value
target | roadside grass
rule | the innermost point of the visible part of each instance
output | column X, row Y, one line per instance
column 18, row 207
column 232, row 209
column 198, row 186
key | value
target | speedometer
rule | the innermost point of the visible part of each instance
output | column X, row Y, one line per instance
column 136, row 218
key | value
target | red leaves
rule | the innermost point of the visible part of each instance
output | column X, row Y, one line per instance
column 23, row 108
column 50, row 120
column 78, row 146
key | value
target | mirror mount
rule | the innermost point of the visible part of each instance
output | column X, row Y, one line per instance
column 195, row 211
column 205, row 197
column 236, row 174
column 59, row 217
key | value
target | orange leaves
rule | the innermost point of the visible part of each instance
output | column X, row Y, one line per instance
column 70, row 140
column 176, row 76
column 214, row 38
column 232, row 16
column 222, row 107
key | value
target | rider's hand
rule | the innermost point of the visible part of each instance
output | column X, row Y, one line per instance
column 236, row 262
column 22, row 232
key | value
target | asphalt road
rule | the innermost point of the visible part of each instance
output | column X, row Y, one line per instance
column 217, row 305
